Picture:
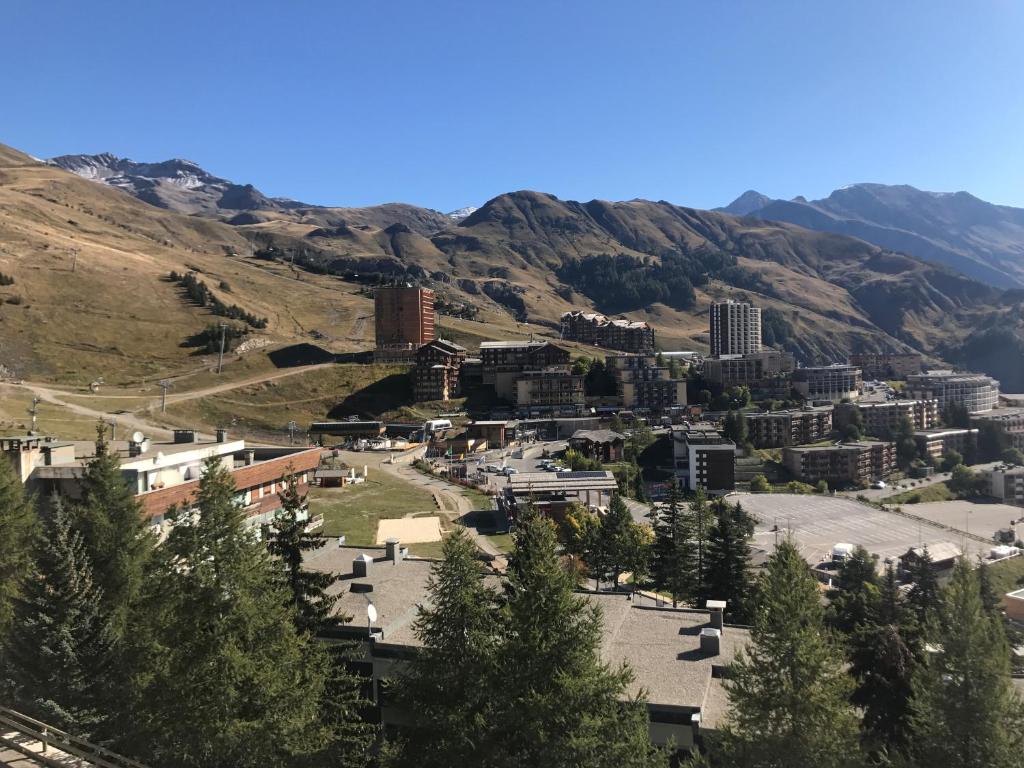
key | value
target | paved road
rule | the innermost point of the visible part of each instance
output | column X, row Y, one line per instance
column 873, row 494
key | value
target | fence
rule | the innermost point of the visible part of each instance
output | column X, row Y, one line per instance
column 59, row 740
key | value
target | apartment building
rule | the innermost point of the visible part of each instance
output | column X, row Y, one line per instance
column 601, row 331
column 552, row 389
column 883, row 419
column 888, row 365
column 704, row 460
column 974, row 391
column 936, row 443
column 438, row 366
column 749, row 370
column 839, row 465
column 404, row 319
column 1006, row 483
column 502, row 362
column 162, row 474
column 1008, row 421
column 829, row 382
column 778, row 429
column 643, row 384
column 735, row 328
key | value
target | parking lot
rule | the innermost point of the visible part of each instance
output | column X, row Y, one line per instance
column 817, row 523
column 979, row 518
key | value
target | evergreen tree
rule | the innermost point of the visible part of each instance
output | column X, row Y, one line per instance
column 986, row 590
column 622, row 544
column 906, row 447
column 557, row 704
column 226, row 679
column 17, row 533
column 448, row 687
column 288, row 540
column 855, row 592
column 966, row 713
column 60, row 647
column 924, row 598
column 885, row 654
column 728, row 560
column 789, row 692
column 114, row 532
column 672, row 550
column 701, row 522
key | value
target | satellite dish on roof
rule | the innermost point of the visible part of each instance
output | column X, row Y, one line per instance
column 138, row 437
column 371, row 612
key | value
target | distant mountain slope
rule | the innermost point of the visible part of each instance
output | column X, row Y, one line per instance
column 185, row 187
column 979, row 239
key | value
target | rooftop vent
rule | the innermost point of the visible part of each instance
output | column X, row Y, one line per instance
column 717, row 610
column 184, row 436
column 710, row 641
column 361, row 566
column 393, row 551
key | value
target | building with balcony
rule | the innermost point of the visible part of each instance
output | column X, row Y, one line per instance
column 553, row 390
column 888, row 365
column 883, row 419
column 1006, row 483
column 601, row 331
column 704, row 460
column 437, row 372
column 829, row 382
column 936, row 443
column 855, row 464
column 644, row 385
column 404, row 319
column 735, row 328
column 778, row 429
column 750, row 370
column 1009, row 422
column 163, row 474
column 974, row 391
column 502, row 362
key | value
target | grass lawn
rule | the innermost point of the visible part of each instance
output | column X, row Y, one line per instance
column 934, row 492
column 354, row 511
column 1007, row 575
column 502, row 541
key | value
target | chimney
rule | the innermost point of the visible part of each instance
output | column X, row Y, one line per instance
column 361, row 566
column 222, row 435
column 710, row 641
column 184, row 436
column 250, row 457
column 394, row 554
column 717, row 610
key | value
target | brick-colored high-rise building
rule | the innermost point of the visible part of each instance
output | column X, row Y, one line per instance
column 404, row 319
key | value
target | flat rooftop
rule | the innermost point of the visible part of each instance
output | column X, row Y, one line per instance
column 817, row 523
column 568, row 482
column 661, row 644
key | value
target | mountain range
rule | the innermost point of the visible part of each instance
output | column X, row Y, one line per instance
column 505, row 270
column 980, row 239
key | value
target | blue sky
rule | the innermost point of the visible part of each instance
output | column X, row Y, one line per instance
column 443, row 103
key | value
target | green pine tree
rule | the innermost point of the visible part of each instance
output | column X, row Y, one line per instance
column 886, row 651
column 448, row 688
column 672, row 550
column 114, row 532
column 288, row 540
column 557, row 704
column 700, row 522
column 60, row 648
column 17, row 534
column 226, row 679
column 728, row 560
column 966, row 713
column 986, row 589
column 854, row 592
column 621, row 541
column 924, row 597
column 789, row 692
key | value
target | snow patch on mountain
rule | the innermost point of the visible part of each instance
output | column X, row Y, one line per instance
column 460, row 213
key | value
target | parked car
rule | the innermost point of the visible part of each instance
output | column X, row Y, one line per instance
column 492, row 468
column 878, row 485
column 509, row 471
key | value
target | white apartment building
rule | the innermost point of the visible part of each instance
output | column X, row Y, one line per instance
column 975, row 391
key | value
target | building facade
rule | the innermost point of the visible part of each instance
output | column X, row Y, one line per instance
column 735, row 328
column 829, row 382
column 438, row 367
column 1008, row 421
column 974, row 391
column 554, row 389
column 845, row 464
column 644, row 385
column 888, row 365
column 601, row 331
column 704, row 460
column 748, row 370
column 502, row 362
column 781, row 428
column 936, row 443
column 1007, row 484
column 404, row 319
column 165, row 474
column 883, row 419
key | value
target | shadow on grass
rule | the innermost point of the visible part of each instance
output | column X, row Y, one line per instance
column 387, row 394
column 487, row 522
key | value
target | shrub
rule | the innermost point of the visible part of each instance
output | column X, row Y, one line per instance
column 6, row 279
